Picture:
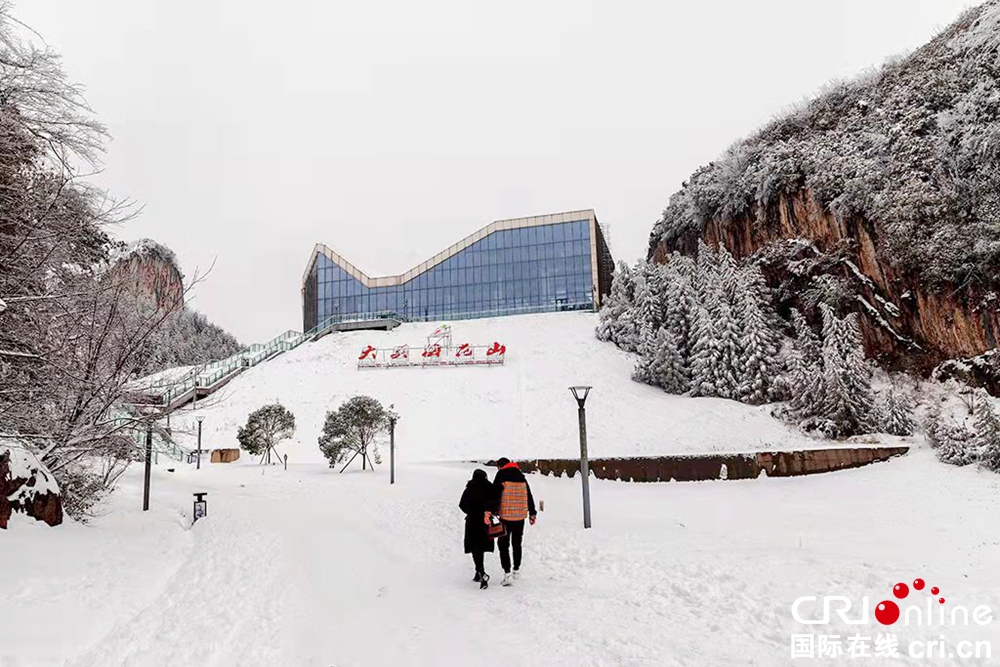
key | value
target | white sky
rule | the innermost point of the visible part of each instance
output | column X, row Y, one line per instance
column 388, row 130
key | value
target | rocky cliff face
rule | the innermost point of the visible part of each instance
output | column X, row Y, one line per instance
column 880, row 195
column 903, row 322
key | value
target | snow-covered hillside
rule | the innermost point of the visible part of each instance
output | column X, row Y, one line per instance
column 522, row 409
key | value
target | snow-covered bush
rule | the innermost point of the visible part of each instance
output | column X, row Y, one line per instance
column 952, row 442
column 265, row 428
column 896, row 412
column 353, row 430
column 986, row 437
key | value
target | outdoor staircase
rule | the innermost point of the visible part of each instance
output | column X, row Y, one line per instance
column 203, row 381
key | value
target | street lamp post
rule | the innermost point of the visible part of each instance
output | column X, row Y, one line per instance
column 149, row 466
column 200, row 419
column 580, row 394
column 393, row 418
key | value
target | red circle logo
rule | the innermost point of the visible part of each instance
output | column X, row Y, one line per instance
column 887, row 612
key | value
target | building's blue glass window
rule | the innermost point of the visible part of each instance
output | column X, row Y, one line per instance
column 545, row 267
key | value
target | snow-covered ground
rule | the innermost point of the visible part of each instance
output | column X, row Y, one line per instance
column 312, row 567
column 522, row 409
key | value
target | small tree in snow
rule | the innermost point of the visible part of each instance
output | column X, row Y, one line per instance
column 804, row 377
column 897, row 413
column 353, row 430
column 645, row 368
column 679, row 309
column 618, row 302
column 758, row 359
column 670, row 368
column 729, row 350
column 986, row 435
column 847, row 375
column 264, row 429
column 951, row 442
column 704, row 354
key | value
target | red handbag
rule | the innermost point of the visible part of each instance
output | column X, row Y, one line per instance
column 495, row 528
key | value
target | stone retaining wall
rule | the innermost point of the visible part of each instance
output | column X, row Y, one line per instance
column 695, row 468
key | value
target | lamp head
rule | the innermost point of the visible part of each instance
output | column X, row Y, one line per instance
column 200, row 418
column 580, row 393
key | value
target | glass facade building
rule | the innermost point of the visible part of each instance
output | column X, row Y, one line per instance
column 525, row 265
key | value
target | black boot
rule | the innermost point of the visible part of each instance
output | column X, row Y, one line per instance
column 478, row 576
column 484, row 581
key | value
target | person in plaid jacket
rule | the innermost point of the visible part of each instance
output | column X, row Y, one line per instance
column 514, row 504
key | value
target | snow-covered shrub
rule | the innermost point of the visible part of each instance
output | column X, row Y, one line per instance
column 896, row 413
column 986, row 437
column 952, row 442
column 265, row 428
column 353, row 430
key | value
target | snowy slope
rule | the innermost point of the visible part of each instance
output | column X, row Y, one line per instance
column 522, row 409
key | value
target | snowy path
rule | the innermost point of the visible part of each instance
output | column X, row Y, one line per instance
column 310, row 567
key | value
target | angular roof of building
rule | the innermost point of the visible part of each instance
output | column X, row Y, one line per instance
column 498, row 225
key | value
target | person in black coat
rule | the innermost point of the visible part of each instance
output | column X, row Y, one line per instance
column 477, row 500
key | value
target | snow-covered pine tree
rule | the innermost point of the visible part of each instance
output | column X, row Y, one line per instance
column 627, row 331
column 679, row 306
column 618, row 302
column 847, row 375
column 645, row 368
column 805, row 370
column 952, row 443
column 704, row 354
column 986, row 435
column 650, row 302
column 758, row 361
column 729, row 351
column 897, row 413
column 670, row 365
column 706, row 272
column 727, row 274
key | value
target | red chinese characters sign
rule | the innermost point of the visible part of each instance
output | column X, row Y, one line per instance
column 438, row 351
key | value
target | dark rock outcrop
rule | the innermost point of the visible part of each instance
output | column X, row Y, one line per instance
column 27, row 487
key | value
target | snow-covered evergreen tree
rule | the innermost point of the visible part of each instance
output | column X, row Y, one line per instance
column 897, row 413
column 728, row 370
column 670, row 365
column 704, row 354
column 758, row 361
column 650, row 300
column 616, row 304
column 727, row 274
column 847, row 375
column 706, row 274
column 952, row 443
column 986, row 435
column 628, row 329
column 804, row 377
column 645, row 368
column 679, row 309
